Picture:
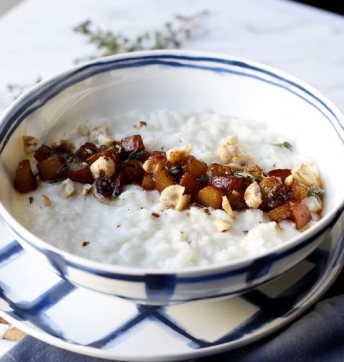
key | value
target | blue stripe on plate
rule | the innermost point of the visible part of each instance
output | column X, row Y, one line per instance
column 269, row 309
column 10, row 252
column 34, row 311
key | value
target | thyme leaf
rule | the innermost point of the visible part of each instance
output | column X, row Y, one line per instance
column 203, row 178
column 30, row 199
column 285, row 145
column 64, row 168
column 314, row 191
column 244, row 174
column 56, row 181
column 174, row 170
column 135, row 155
column 171, row 35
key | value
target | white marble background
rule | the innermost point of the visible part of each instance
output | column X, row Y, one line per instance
column 37, row 40
column 36, row 37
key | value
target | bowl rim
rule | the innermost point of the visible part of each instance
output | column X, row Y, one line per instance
column 327, row 221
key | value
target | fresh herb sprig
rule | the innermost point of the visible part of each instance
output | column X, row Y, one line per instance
column 314, row 191
column 63, row 169
column 171, row 35
column 174, row 170
column 285, row 145
column 203, row 178
column 135, row 155
column 245, row 174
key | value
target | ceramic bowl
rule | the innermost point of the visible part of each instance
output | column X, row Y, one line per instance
column 177, row 80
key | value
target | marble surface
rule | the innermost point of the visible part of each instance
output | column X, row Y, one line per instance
column 37, row 38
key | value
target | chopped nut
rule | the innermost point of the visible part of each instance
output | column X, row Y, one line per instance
column 85, row 189
column 105, row 140
column 241, row 161
column 227, row 207
column 31, row 144
column 178, row 154
column 253, row 196
column 97, row 131
column 172, row 196
column 46, row 200
column 183, row 202
column 103, row 167
column 68, row 187
column 151, row 166
column 289, row 180
column 304, row 174
column 226, row 152
column 232, row 140
column 83, row 130
column 222, row 225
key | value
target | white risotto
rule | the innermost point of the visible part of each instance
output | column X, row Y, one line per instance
column 139, row 230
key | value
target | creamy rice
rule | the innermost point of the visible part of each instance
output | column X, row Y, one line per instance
column 139, row 230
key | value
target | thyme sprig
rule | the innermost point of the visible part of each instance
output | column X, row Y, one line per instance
column 203, row 178
column 285, row 145
column 63, row 169
column 171, row 35
column 245, row 174
column 314, row 191
column 174, row 170
column 135, row 155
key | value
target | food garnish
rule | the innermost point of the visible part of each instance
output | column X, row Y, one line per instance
column 182, row 180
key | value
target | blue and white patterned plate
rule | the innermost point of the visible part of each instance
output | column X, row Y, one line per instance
column 51, row 309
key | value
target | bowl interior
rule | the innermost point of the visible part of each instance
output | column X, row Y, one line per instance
column 177, row 81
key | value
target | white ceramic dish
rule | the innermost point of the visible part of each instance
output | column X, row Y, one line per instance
column 51, row 309
column 177, row 80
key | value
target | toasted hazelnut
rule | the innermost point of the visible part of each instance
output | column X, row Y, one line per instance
column 31, row 144
column 151, row 166
column 85, row 189
column 289, row 180
column 304, row 174
column 241, row 161
column 253, row 196
column 103, row 167
column 172, row 197
column 226, row 152
column 68, row 187
column 232, row 140
column 46, row 200
column 183, row 203
column 227, row 206
column 222, row 225
column 178, row 154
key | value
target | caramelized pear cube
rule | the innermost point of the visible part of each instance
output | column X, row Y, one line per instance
column 300, row 214
column 51, row 168
column 24, row 180
column 163, row 179
column 210, row 196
